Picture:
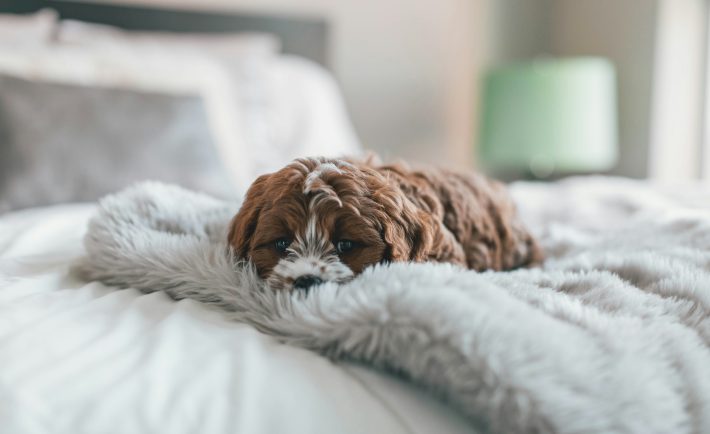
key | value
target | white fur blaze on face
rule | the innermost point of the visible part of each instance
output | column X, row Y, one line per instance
column 315, row 185
column 315, row 175
column 328, row 269
column 312, row 253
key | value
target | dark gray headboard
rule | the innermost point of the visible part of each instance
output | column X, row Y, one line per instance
column 307, row 37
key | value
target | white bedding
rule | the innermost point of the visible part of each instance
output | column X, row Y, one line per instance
column 83, row 358
column 86, row 358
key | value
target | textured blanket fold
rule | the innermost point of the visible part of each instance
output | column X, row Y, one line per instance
column 612, row 334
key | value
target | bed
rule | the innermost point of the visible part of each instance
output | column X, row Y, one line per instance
column 81, row 356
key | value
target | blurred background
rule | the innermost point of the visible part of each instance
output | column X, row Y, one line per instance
column 96, row 94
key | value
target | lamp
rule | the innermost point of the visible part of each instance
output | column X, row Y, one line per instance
column 550, row 116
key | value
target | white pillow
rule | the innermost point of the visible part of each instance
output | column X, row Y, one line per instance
column 32, row 29
column 265, row 109
column 287, row 107
column 222, row 44
column 123, row 69
column 68, row 143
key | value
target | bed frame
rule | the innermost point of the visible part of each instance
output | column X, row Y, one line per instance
column 303, row 36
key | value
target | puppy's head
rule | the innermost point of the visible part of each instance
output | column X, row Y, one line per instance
column 319, row 220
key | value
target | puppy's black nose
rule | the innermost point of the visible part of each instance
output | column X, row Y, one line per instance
column 305, row 282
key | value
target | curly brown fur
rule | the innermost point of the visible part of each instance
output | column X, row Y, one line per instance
column 322, row 219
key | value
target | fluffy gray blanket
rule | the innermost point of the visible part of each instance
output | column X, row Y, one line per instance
column 610, row 335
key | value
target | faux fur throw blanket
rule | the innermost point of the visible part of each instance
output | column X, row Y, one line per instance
column 610, row 335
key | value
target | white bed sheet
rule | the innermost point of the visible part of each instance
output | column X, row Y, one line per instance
column 84, row 358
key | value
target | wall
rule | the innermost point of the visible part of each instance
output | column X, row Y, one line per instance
column 624, row 31
column 516, row 30
column 406, row 68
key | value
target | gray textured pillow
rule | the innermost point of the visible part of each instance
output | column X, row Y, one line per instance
column 67, row 143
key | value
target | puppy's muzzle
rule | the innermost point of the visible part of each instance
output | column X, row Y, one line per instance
column 305, row 282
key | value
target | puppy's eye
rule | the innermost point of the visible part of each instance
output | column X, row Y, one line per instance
column 282, row 244
column 344, row 246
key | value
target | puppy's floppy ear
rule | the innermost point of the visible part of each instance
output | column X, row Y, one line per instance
column 407, row 231
column 241, row 229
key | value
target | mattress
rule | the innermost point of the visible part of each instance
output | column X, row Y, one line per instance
column 85, row 358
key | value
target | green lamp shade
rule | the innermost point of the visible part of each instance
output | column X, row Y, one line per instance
column 550, row 115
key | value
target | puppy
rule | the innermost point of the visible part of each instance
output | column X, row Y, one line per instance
column 321, row 219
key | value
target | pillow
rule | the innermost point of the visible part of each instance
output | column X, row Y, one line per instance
column 292, row 107
column 97, row 67
column 288, row 107
column 68, row 143
column 32, row 29
column 221, row 44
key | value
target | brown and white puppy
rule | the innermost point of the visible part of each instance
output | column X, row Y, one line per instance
column 321, row 219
